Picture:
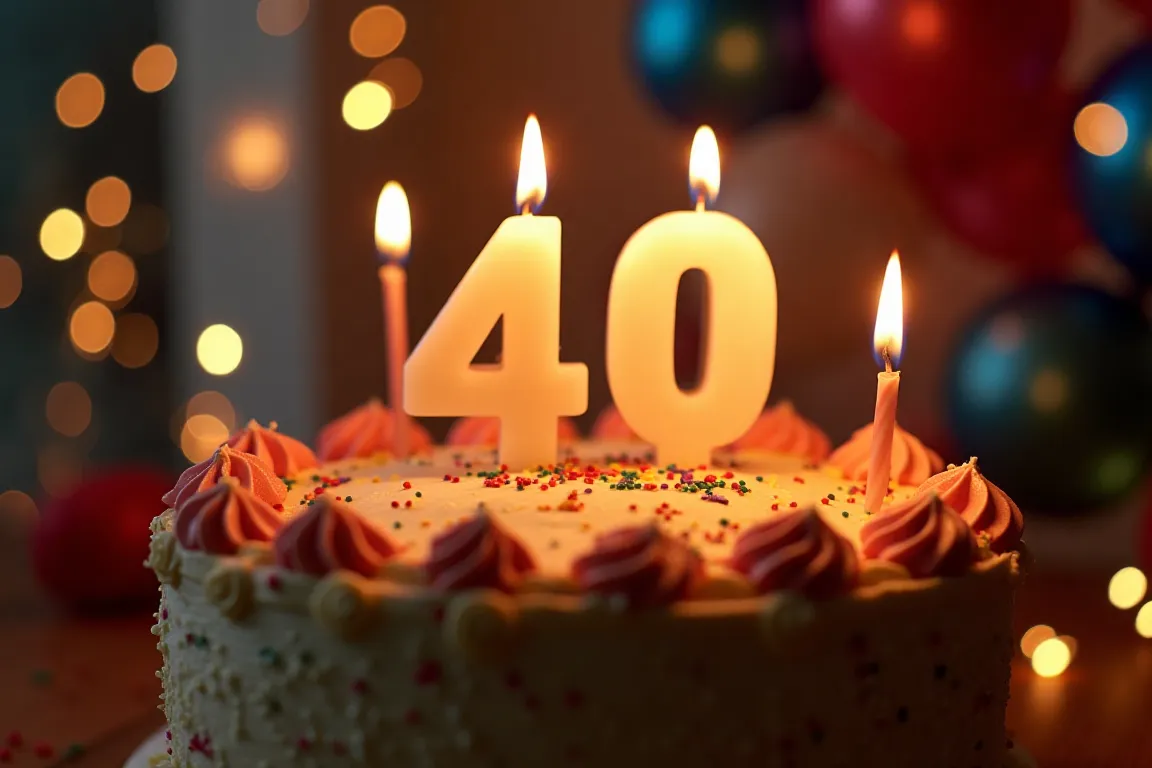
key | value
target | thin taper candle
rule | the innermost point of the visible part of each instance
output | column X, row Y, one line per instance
column 888, row 338
column 393, row 240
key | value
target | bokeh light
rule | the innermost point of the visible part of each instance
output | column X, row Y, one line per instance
column 201, row 436
column 739, row 50
column 136, row 340
column 11, row 281
column 1072, row 644
column 69, row 408
column 91, row 327
column 1051, row 657
column 111, row 276
column 366, row 105
column 1144, row 620
column 57, row 468
column 255, row 154
column 281, row 17
column 17, row 514
column 377, row 31
column 1100, row 129
column 62, row 234
column 219, row 349
column 1033, row 637
column 154, row 68
column 108, row 201
column 80, row 100
column 1127, row 587
column 145, row 229
column 1049, row 390
column 214, row 404
column 401, row 77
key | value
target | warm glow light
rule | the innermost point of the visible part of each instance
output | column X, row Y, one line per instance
column 255, row 154
column 889, row 334
column 377, row 31
column 532, row 182
column 11, row 281
column 1051, row 658
column 136, row 341
column 214, row 404
column 202, row 434
column 69, row 408
column 1144, row 620
column 400, row 76
column 219, row 350
column 281, row 17
column 108, row 201
column 704, row 167
column 1100, row 129
column 739, row 50
column 91, row 327
column 111, row 276
column 154, row 68
column 1127, row 588
column 366, row 105
column 62, row 234
column 393, row 223
column 80, row 100
column 1034, row 636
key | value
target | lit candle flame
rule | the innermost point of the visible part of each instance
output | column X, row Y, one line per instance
column 532, row 184
column 888, row 338
column 393, row 224
column 704, row 167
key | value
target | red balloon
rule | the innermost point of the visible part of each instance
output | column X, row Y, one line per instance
column 89, row 546
column 1142, row 7
column 943, row 74
column 1013, row 203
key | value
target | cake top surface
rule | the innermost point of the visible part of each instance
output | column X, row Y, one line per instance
column 598, row 486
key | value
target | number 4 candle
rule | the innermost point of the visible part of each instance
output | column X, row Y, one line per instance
column 888, row 339
column 517, row 277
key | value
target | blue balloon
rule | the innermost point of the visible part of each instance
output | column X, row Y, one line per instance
column 1051, row 387
column 726, row 63
column 1115, row 189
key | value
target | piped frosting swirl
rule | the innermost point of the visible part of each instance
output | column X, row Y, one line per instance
column 912, row 461
column 222, row 517
column 478, row 553
column 922, row 534
column 286, row 455
column 987, row 509
column 249, row 470
column 797, row 551
column 642, row 563
column 610, row 425
column 329, row 535
column 485, row 431
column 781, row 429
column 366, row 431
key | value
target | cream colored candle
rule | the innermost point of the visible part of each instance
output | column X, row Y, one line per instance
column 739, row 326
column 888, row 339
column 517, row 277
column 393, row 240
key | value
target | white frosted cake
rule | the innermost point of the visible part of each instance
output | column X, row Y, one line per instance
column 351, row 610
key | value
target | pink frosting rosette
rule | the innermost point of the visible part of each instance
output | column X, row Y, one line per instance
column 286, row 455
column 366, row 431
column 642, row 563
column 923, row 535
column 797, row 551
column 781, row 429
column 478, row 553
column 986, row 508
column 329, row 535
column 912, row 461
column 249, row 471
column 221, row 518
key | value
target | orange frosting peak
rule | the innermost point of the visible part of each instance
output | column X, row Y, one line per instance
column 485, row 431
column 922, row 534
column 286, row 455
column 985, row 507
column 780, row 429
column 366, row 431
column 249, row 471
column 912, row 461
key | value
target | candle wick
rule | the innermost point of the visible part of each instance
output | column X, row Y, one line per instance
column 526, row 209
column 887, row 359
column 700, row 202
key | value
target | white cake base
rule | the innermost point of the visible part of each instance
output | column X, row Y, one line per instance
column 155, row 746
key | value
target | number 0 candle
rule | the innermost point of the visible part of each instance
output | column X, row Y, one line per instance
column 517, row 277
column 740, row 323
column 888, row 340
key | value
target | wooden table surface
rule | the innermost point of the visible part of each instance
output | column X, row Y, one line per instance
column 91, row 683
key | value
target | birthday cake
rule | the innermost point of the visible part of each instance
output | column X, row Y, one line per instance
column 344, row 609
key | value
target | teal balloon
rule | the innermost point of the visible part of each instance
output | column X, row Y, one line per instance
column 1051, row 387
column 1115, row 191
column 725, row 63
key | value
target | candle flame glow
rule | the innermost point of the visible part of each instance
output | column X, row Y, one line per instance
column 888, row 338
column 393, row 223
column 532, row 184
column 704, row 167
